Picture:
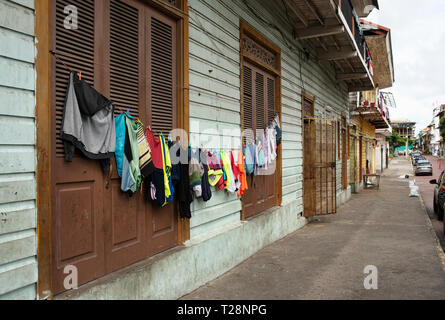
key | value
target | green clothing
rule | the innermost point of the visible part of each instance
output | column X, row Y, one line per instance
column 135, row 172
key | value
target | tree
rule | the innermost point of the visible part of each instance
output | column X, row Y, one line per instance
column 395, row 140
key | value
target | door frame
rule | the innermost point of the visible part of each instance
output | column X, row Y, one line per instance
column 44, row 171
column 275, row 70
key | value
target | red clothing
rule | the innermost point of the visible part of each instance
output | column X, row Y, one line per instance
column 243, row 178
column 155, row 147
column 235, row 168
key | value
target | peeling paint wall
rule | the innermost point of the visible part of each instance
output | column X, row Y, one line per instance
column 18, row 241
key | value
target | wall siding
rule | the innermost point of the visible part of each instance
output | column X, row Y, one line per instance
column 18, row 242
column 215, row 73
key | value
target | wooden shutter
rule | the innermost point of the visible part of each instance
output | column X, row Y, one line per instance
column 132, row 47
column 76, row 49
column 258, row 109
column 162, row 92
column 77, row 186
column 248, row 104
column 162, row 48
column 270, row 99
column 124, row 57
column 259, row 101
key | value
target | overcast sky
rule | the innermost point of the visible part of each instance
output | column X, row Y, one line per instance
column 418, row 44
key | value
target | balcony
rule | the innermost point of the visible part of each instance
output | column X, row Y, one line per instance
column 372, row 106
column 333, row 28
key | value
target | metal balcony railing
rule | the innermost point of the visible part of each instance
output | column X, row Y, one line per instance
column 354, row 25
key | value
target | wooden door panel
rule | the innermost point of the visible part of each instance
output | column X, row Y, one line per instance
column 160, row 57
column 125, row 234
column 101, row 229
column 162, row 228
column 258, row 109
column 78, row 222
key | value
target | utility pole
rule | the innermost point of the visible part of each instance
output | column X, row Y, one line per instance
column 406, row 147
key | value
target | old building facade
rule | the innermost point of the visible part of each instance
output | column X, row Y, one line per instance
column 212, row 68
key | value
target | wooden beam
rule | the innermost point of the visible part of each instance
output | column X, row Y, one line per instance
column 314, row 11
column 335, row 42
column 360, row 88
column 339, row 66
column 351, row 76
column 337, row 55
column 322, row 44
column 350, row 65
column 297, row 12
column 315, row 32
column 43, row 149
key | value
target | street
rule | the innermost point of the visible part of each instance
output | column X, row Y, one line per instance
column 326, row 259
column 427, row 191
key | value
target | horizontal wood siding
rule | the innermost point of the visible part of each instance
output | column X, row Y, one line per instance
column 18, row 242
column 215, row 71
column 214, row 102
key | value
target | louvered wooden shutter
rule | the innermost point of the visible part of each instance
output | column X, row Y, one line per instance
column 248, row 104
column 76, row 49
column 124, row 57
column 162, row 74
column 270, row 99
column 259, row 101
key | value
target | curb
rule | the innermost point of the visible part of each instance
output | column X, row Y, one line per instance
column 438, row 246
column 440, row 251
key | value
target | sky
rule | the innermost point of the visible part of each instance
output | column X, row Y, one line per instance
column 418, row 44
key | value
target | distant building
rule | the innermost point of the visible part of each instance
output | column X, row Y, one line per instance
column 404, row 128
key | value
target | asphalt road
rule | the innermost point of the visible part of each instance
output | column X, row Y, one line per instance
column 427, row 192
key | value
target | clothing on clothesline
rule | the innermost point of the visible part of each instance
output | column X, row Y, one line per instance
column 88, row 122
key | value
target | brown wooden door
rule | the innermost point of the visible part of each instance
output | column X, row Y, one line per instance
column 360, row 157
column 344, row 164
column 259, row 108
column 319, row 173
column 126, row 50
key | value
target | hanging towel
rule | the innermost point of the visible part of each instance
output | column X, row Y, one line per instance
column 120, row 126
column 88, row 122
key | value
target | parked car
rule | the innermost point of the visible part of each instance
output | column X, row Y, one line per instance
column 419, row 159
column 424, row 167
column 439, row 196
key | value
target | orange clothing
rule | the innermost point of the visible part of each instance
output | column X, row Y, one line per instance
column 242, row 173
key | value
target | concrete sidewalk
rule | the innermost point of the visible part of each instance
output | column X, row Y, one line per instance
column 326, row 258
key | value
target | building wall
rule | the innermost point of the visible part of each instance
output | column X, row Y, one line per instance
column 18, row 266
column 215, row 98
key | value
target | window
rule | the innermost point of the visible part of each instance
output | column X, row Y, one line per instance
column 128, row 51
column 261, row 99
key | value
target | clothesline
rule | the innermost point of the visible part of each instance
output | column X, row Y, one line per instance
column 145, row 160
